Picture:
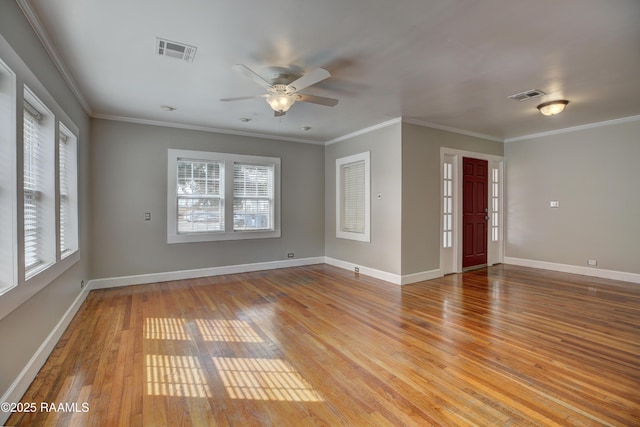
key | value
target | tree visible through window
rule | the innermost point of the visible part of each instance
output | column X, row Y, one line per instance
column 252, row 197
column 200, row 186
column 221, row 196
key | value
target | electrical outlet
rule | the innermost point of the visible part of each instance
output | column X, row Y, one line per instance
column 147, row 216
column 592, row 262
column 554, row 204
column 356, row 269
column 81, row 284
column 290, row 255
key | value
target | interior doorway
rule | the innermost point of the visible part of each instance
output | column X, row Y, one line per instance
column 483, row 228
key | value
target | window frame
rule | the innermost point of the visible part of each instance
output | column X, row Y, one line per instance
column 207, row 197
column 447, row 204
column 257, row 197
column 495, row 213
column 8, row 181
column 227, row 197
column 341, row 233
column 71, row 225
column 44, row 191
column 16, row 287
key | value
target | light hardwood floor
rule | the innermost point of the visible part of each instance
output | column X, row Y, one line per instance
column 319, row 346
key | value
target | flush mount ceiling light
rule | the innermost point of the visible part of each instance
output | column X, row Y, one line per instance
column 167, row 108
column 552, row 108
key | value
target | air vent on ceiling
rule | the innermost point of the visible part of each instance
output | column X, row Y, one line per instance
column 175, row 50
column 527, row 94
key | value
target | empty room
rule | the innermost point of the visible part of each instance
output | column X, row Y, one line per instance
column 291, row 213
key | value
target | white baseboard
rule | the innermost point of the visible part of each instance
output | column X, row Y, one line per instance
column 141, row 279
column 396, row 279
column 575, row 269
column 419, row 277
column 20, row 385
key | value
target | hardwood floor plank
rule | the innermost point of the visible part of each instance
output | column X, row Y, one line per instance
column 318, row 345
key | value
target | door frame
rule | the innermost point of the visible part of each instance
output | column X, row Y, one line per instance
column 451, row 258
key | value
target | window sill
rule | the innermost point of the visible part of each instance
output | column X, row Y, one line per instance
column 13, row 297
column 218, row 237
column 360, row 237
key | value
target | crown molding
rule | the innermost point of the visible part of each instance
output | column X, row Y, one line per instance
column 419, row 122
column 204, row 129
column 575, row 128
column 42, row 34
column 365, row 130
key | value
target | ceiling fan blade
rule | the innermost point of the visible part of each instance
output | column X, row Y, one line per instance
column 308, row 79
column 249, row 73
column 240, row 98
column 321, row 100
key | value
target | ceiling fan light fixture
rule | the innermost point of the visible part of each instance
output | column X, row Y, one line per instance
column 280, row 102
column 552, row 108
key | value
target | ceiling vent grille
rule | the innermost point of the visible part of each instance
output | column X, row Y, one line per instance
column 527, row 94
column 175, row 50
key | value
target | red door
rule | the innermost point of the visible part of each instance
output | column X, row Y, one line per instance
column 474, row 211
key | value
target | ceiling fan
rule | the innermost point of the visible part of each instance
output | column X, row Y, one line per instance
column 282, row 95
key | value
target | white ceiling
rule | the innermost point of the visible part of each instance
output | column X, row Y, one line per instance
column 450, row 63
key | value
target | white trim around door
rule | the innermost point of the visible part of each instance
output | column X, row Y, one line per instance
column 451, row 208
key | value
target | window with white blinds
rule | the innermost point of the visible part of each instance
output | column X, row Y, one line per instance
column 353, row 197
column 252, row 197
column 8, row 190
column 33, row 212
column 200, row 189
column 201, row 184
column 353, row 204
column 38, row 187
column 68, row 211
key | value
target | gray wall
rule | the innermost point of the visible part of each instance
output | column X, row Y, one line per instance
column 594, row 174
column 383, row 252
column 25, row 329
column 421, row 191
column 129, row 178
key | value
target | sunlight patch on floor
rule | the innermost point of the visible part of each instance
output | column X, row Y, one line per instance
column 170, row 328
column 227, row 331
column 165, row 328
column 264, row 379
column 175, row 376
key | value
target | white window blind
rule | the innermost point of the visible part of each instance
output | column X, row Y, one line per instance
column 33, row 147
column 221, row 196
column 38, row 187
column 253, row 197
column 8, row 190
column 68, row 191
column 353, row 197
column 64, row 191
column 200, row 190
